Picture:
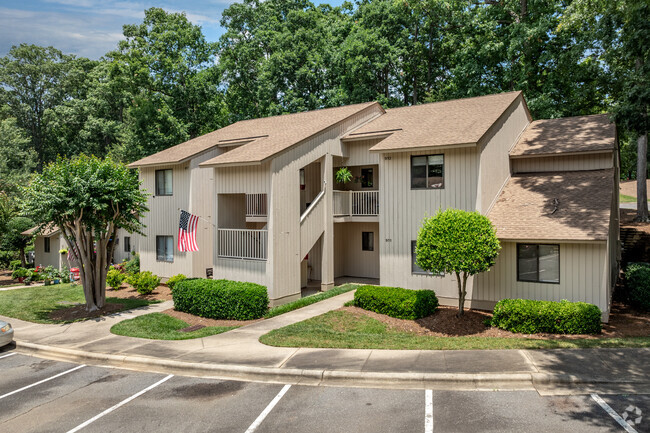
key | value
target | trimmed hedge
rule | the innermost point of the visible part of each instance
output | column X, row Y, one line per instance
column 396, row 302
column 532, row 317
column 637, row 278
column 221, row 299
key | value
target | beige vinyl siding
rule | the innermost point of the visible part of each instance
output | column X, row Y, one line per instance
column 312, row 227
column 53, row 258
column 583, row 277
column 252, row 271
column 349, row 258
column 202, row 204
column 119, row 255
column 284, row 203
column 594, row 161
column 403, row 209
column 358, row 153
column 250, row 179
column 494, row 164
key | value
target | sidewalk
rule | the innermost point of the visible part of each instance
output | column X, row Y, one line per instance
column 238, row 354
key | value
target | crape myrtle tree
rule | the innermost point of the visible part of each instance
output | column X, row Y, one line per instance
column 88, row 199
column 457, row 242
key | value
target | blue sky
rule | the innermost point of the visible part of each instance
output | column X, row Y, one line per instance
column 90, row 28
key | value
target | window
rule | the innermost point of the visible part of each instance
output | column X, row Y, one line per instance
column 367, row 241
column 165, row 248
column 415, row 269
column 127, row 244
column 164, row 182
column 539, row 263
column 428, row 172
column 46, row 245
column 366, row 178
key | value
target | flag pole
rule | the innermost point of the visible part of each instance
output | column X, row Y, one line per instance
column 201, row 218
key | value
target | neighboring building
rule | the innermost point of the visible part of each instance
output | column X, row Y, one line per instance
column 50, row 241
column 279, row 219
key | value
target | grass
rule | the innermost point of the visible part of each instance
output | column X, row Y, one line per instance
column 35, row 304
column 308, row 300
column 340, row 329
column 626, row 198
column 159, row 326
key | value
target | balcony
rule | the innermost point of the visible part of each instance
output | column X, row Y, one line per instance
column 242, row 244
column 356, row 203
column 256, row 207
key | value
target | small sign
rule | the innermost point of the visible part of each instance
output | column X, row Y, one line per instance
column 208, row 272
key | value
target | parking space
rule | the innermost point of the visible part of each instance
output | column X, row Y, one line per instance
column 38, row 395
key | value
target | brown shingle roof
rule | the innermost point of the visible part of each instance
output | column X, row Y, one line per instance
column 461, row 121
column 262, row 137
column 555, row 206
column 568, row 135
column 48, row 231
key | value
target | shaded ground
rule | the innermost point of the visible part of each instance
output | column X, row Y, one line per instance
column 5, row 278
column 628, row 187
column 161, row 293
column 79, row 312
column 196, row 320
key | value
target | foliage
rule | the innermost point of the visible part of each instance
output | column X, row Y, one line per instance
column 637, row 280
column 144, row 282
column 20, row 273
column 14, row 264
column 133, row 265
column 343, row 175
column 14, row 240
column 457, row 242
column 396, row 302
column 221, row 299
column 114, row 279
column 17, row 159
column 308, row 300
column 159, row 326
column 6, row 257
column 175, row 279
column 88, row 199
column 532, row 317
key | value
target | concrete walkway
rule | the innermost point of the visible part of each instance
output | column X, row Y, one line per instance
column 239, row 355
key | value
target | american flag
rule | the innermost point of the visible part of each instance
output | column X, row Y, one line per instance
column 72, row 254
column 187, row 232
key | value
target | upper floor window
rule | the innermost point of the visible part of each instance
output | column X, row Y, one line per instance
column 539, row 263
column 164, row 182
column 127, row 244
column 428, row 172
column 46, row 245
column 164, row 248
column 367, row 180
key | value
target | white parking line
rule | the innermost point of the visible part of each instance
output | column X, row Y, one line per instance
column 120, row 404
column 8, row 355
column 628, row 428
column 41, row 381
column 428, row 411
column 268, row 409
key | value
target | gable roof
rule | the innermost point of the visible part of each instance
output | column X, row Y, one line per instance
column 555, row 206
column 257, row 139
column 567, row 135
column 48, row 231
column 447, row 123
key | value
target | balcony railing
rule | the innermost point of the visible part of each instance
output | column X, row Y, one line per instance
column 243, row 244
column 256, row 205
column 356, row 203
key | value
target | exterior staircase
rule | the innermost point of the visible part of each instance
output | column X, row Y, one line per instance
column 636, row 245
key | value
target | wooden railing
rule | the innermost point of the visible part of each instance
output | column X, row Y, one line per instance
column 256, row 205
column 243, row 244
column 356, row 203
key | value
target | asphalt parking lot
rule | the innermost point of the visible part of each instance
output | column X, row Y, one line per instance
column 39, row 395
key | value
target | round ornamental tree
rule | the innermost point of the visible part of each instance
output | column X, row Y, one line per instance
column 88, row 199
column 457, row 242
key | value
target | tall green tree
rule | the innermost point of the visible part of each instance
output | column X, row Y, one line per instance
column 169, row 72
column 14, row 240
column 17, row 159
column 89, row 199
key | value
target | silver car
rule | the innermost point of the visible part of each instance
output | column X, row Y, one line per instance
column 6, row 333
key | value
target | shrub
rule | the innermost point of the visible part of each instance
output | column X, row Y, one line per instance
column 14, row 264
column 20, row 273
column 175, row 280
column 396, row 302
column 6, row 257
column 531, row 317
column 144, row 282
column 114, row 279
column 637, row 280
column 132, row 267
column 221, row 299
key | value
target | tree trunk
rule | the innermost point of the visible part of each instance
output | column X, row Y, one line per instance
column 462, row 292
column 641, row 175
column 23, row 262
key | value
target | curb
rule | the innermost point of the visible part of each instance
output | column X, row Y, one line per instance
column 541, row 382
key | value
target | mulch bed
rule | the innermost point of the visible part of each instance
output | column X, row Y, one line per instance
column 624, row 322
column 160, row 293
column 79, row 312
column 5, row 278
column 192, row 320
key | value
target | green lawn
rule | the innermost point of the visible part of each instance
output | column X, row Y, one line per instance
column 308, row 300
column 35, row 304
column 340, row 329
column 626, row 198
column 159, row 326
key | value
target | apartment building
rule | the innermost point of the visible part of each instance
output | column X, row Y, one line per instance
column 273, row 213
